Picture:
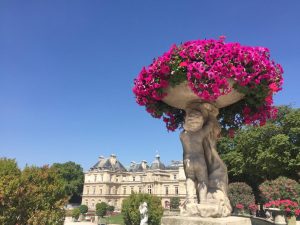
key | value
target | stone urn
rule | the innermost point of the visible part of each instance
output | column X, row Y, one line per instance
column 279, row 216
column 181, row 96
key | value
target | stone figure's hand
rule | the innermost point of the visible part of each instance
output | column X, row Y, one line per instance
column 187, row 162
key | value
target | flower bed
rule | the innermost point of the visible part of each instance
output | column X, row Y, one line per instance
column 289, row 207
column 207, row 66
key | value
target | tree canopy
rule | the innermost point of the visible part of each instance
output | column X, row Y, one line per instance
column 35, row 195
column 73, row 177
column 260, row 153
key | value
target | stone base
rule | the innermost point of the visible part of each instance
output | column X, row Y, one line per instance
column 180, row 220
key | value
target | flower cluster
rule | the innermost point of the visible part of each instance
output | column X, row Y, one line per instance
column 207, row 66
column 289, row 207
column 239, row 206
column 280, row 188
column 253, row 207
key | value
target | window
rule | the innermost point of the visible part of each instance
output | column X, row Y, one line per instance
column 131, row 190
column 175, row 177
column 124, row 190
column 167, row 190
column 95, row 178
column 176, row 190
column 133, row 178
column 140, row 189
column 100, row 191
column 94, row 190
column 87, row 190
column 141, row 178
column 117, row 178
column 149, row 189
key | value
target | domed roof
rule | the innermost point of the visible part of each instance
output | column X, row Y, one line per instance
column 157, row 164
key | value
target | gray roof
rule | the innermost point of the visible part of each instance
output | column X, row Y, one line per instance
column 157, row 164
column 106, row 164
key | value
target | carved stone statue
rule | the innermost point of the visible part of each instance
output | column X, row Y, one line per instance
column 144, row 213
column 205, row 171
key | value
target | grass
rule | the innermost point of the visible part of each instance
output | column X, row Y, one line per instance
column 117, row 219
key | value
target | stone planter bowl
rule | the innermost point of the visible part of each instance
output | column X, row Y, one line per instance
column 181, row 95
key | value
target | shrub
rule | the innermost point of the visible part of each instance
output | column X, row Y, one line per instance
column 280, row 188
column 110, row 208
column 240, row 193
column 174, row 203
column 83, row 209
column 130, row 209
column 101, row 209
column 76, row 213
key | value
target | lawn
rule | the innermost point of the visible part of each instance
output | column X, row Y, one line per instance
column 116, row 219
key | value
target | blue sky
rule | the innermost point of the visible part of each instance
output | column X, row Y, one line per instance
column 67, row 70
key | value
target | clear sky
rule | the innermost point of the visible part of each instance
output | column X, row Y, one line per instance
column 67, row 70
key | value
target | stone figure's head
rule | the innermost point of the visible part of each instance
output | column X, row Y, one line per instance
column 195, row 117
column 145, row 204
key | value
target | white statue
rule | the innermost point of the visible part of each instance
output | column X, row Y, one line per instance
column 144, row 213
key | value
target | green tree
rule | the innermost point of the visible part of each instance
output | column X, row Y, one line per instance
column 73, row 177
column 43, row 196
column 83, row 209
column 263, row 153
column 110, row 208
column 34, row 196
column 174, row 203
column 130, row 209
column 101, row 209
column 10, row 191
column 76, row 213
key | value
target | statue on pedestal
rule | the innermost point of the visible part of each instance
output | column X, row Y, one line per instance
column 204, row 169
column 144, row 213
column 200, row 85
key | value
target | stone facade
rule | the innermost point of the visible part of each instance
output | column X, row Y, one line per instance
column 109, row 181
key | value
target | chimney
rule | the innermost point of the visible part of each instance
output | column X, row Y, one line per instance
column 100, row 158
column 144, row 164
column 113, row 159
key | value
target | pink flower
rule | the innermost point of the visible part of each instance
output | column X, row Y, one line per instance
column 183, row 64
column 239, row 206
column 273, row 87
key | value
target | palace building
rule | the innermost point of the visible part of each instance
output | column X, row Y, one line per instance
column 109, row 181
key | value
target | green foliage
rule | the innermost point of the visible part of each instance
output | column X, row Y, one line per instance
column 110, row 208
column 73, row 177
column 83, row 209
column 280, row 188
column 35, row 196
column 257, row 154
column 240, row 193
column 101, row 209
column 76, row 213
column 9, row 191
column 130, row 209
column 174, row 203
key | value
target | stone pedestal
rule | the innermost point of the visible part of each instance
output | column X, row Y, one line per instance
column 180, row 220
